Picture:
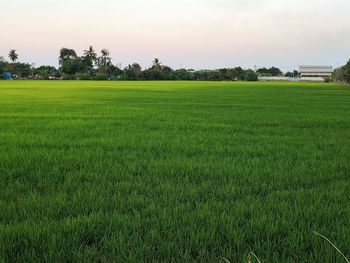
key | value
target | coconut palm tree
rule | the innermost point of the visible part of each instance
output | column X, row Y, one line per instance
column 13, row 55
column 90, row 55
column 156, row 62
column 104, row 60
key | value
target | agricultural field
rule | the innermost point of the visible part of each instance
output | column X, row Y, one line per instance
column 173, row 171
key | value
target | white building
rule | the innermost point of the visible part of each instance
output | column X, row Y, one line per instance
column 315, row 71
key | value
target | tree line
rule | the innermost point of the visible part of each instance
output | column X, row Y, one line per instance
column 94, row 66
column 98, row 66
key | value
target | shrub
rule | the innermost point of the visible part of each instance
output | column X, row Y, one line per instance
column 65, row 76
column 250, row 75
column 101, row 76
column 83, row 76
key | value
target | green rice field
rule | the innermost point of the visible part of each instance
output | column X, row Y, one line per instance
column 173, row 171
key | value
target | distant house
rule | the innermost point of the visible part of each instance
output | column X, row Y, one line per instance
column 7, row 75
column 315, row 71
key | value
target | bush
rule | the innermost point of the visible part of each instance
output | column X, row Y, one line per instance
column 346, row 72
column 250, row 75
column 83, row 76
column 101, row 76
column 65, row 76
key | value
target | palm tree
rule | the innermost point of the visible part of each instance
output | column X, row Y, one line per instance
column 90, row 55
column 104, row 60
column 13, row 55
column 105, row 52
column 156, row 63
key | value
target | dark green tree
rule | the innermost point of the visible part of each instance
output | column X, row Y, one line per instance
column 46, row 72
column 133, row 72
column 66, row 54
column 346, row 72
column 156, row 63
column 90, row 57
column 269, row 72
column 250, row 75
column 104, row 61
column 13, row 55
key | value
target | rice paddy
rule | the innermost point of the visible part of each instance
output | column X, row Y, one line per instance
column 173, row 171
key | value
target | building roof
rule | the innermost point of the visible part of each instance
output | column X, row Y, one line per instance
column 320, row 69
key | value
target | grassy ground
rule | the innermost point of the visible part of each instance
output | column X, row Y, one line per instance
column 173, row 171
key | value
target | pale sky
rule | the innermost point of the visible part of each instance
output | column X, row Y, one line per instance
column 188, row 33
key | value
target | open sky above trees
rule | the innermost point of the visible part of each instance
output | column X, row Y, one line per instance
column 188, row 33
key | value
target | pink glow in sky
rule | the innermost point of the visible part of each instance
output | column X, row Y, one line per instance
column 190, row 33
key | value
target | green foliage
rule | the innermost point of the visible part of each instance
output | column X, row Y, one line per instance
column 268, row 72
column 228, row 74
column 46, row 72
column 90, row 58
column 101, row 76
column 346, row 72
column 183, row 74
column 338, row 75
column 66, row 76
column 83, row 76
column 67, row 54
column 3, row 65
column 72, row 66
column 173, row 171
column 22, row 70
column 13, row 55
column 133, row 72
column 289, row 74
column 93, row 67
column 250, row 75
column 293, row 74
column 104, row 61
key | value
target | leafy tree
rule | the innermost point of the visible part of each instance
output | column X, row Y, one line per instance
column 46, row 72
column 22, row 70
column 133, row 72
column 273, row 71
column 293, row 74
column 72, row 66
column 239, row 73
column 3, row 65
column 101, row 76
column 250, row 75
column 83, row 76
column 289, row 74
column 70, row 63
column 13, row 55
column 338, row 74
column 183, row 74
column 67, row 54
column 346, row 72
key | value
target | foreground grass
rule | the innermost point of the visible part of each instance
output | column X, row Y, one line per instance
column 173, row 171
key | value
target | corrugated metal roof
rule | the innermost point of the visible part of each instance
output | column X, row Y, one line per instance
column 320, row 69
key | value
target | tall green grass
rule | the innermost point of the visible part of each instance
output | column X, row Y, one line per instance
column 173, row 171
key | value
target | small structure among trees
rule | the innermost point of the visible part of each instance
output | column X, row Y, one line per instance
column 7, row 75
